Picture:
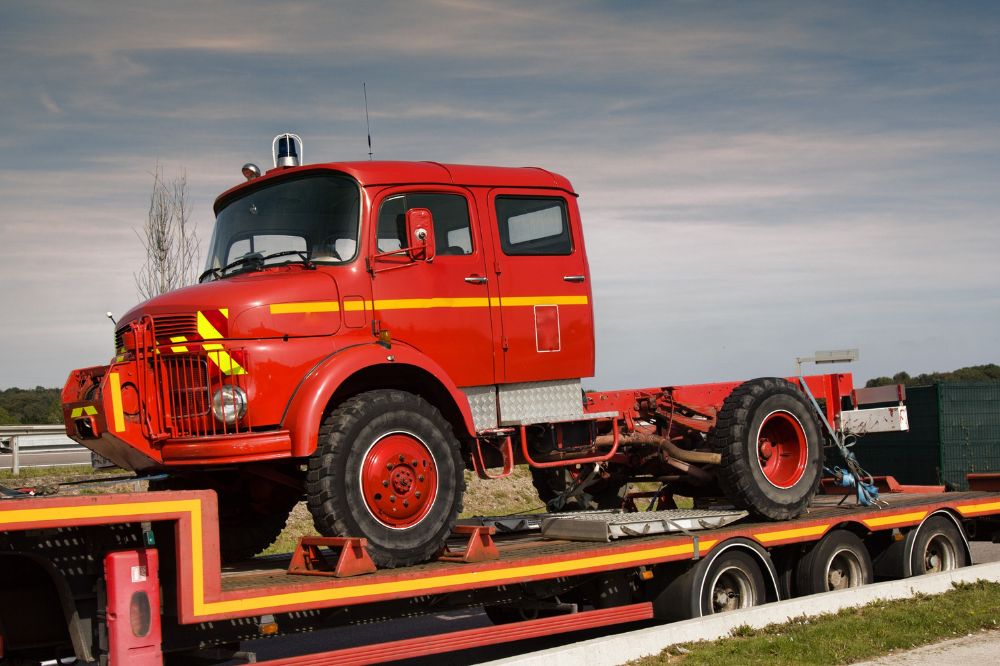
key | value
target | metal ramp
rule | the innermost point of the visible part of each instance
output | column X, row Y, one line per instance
column 610, row 524
column 582, row 527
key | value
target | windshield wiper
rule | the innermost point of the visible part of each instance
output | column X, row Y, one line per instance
column 257, row 259
column 306, row 261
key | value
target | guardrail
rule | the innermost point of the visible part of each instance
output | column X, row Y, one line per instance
column 39, row 446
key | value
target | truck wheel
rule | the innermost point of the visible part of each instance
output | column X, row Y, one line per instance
column 772, row 450
column 838, row 561
column 387, row 468
column 730, row 581
column 551, row 482
column 937, row 547
column 252, row 512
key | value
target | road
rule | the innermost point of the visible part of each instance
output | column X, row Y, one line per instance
column 332, row 639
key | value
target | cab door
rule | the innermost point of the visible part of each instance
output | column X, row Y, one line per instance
column 543, row 283
column 441, row 306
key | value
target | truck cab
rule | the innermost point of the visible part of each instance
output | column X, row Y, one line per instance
column 465, row 288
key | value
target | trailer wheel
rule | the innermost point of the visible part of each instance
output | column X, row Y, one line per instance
column 252, row 511
column 551, row 482
column 772, row 450
column 937, row 547
column 387, row 468
column 837, row 562
column 729, row 581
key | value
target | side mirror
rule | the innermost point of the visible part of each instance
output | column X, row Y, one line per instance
column 420, row 234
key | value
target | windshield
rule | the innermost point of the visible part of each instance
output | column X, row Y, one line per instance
column 310, row 219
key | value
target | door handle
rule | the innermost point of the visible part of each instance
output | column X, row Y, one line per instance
column 475, row 279
column 574, row 278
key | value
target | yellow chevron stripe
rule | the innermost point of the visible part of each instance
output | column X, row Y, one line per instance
column 216, row 352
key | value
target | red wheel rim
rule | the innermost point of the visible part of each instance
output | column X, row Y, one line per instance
column 398, row 480
column 782, row 449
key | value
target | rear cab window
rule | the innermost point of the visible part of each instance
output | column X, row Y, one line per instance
column 531, row 226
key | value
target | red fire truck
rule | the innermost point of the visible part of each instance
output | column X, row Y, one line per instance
column 364, row 332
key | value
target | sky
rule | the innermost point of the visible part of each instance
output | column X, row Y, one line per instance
column 757, row 181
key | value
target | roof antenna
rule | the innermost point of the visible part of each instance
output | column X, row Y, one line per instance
column 364, row 86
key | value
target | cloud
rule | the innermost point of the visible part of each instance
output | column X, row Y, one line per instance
column 756, row 180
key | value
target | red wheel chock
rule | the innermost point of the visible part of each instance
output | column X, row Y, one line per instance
column 479, row 549
column 352, row 560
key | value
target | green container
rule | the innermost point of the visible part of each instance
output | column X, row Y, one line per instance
column 954, row 430
column 969, row 415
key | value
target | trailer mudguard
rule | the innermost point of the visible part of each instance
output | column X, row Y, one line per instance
column 313, row 394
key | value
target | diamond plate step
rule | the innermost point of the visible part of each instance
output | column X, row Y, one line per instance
column 583, row 527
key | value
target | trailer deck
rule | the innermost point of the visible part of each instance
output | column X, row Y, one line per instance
column 263, row 586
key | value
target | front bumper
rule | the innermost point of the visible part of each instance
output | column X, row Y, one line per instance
column 102, row 411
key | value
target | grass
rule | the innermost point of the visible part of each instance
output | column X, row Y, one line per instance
column 879, row 628
column 67, row 473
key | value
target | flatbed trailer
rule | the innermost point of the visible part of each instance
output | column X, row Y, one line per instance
column 136, row 578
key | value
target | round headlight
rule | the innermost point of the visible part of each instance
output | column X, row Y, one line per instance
column 229, row 404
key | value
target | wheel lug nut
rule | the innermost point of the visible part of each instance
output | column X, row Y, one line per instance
column 392, row 498
column 401, row 457
column 414, row 463
column 389, row 466
column 406, row 502
column 417, row 494
column 385, row 484
column 420, row 478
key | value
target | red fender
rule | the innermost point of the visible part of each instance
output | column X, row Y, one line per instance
column 305, row 410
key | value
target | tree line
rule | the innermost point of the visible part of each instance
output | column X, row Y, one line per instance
column 973, row 373
column 37, row 406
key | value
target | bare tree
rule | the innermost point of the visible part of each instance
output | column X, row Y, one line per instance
column 169, row 238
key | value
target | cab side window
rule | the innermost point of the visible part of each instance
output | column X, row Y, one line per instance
column 452, row 231
column 533, row 226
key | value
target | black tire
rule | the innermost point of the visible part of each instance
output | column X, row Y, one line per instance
column 938, row 546
column 729, row 581
column 767, row 424
column 837, row 561
column 423, row 481
column 551, row 482
column 251, row 513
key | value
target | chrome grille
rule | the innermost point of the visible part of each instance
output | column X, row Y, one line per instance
column 190, row 381
column 189, row 386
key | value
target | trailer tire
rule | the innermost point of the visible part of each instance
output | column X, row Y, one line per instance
column 838, row 561
column 729, row 581
column 771, row 446
column 387, row 468
column 937, row 547
column 246, row 527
